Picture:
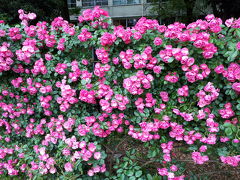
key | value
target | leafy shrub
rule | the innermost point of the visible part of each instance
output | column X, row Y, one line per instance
column 68, row 93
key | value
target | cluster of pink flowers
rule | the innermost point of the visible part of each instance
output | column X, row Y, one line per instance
column 211, row 139
column 103, row 55
column 213, row 126
column 143, row 60
column 126, row 57
column 30, row 30
column 236, row 87
column 167, row 147
column 31, row 130
column 164, row 96
column 227, row 112
column 9, row 166
column 174, row 31
column 26, row 17
column 100, row 70
column 232, row 73
column 206, row 99
column 145, row 24
column 44, row 101
column 170, row 174
column 160, row 109
column 84, row 35
column 28, row 49
column 177, row 131
column 171, row 77
column 135, row 84
column 32, row 87
column 179, row 54
column 146, row 60
column 201, row 39
column 45, row 89
column 193, row 74
column 92, row 14
column 39, row 67
column 183, row 91
column 87, row 96
column 184, row 115
column 150, row 102
column 87, row 150
column 67, row 94
column 231, row 160
column 96, row 169
column 198, row 158
column 234, row 23
column 95, row 127
column 59, row 22
column 6, row 56
column 46, row 163
column 15, row 34
column 104, row 91
column 12, row 111
column 17, row 82
column 145, row 132
column 60, row 68
column 124, row 34
column 2, row 32
column 56, row 128
column 76, row 71
column 60, row 45
column 191, row 137
column 233, row 121
column 157, row 41
column 118, row 102
column 50, row 40
column 107, row 39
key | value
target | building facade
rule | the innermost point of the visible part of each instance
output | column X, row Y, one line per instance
column 122, row 12
column 127, row 12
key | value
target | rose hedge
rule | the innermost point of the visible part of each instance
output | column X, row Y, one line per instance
column 67, row 91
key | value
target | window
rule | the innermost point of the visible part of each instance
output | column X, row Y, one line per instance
column 125, row 22
column 94, row 2
column 71, row 3
column 156, row 1
column 124, row 2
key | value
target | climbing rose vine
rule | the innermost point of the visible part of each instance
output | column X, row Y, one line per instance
column 68, row 91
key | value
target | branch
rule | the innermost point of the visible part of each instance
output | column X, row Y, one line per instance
column 213, row 172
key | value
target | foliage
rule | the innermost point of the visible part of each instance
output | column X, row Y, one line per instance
column 46, row 9
column 225, row 8
column 190, row 10
column 70, row 95
column 180, row 10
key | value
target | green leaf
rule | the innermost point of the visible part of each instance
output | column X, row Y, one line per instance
column 170, row 59
column 132, row 178
column 130, row 173
column 228, row 131
column 138, row 173
column 149, row 177
column 232, row 56
column 238, row 107
column 227, row 124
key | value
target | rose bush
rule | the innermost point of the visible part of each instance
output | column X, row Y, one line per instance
column 68, row 91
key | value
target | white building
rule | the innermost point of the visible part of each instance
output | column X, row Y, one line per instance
column 123, row 12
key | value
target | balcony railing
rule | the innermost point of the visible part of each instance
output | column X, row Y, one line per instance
column 126, row 2
column 94, row 3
